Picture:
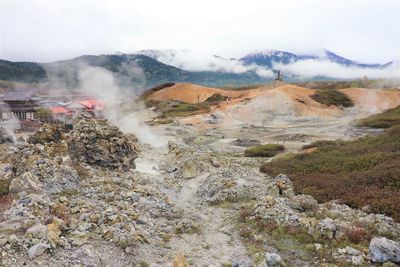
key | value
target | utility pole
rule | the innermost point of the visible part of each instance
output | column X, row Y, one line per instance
column 278, row 78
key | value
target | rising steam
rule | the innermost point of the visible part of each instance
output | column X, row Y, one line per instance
column 10, row 125
column 102, row 84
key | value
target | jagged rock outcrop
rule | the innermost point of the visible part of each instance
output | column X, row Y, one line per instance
column 46, row 134
column 97, row 143
column 281, row 187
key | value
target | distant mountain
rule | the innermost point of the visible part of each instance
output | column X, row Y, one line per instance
column 147, row 68
column 344, row 61
column 151, row 72
column 21, row 71
column 196, row 61
column 267, row 58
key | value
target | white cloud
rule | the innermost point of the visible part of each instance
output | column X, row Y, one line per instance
column 312, row 68
column 200, row 61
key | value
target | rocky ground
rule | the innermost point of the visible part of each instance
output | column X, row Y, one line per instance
column 98, row 197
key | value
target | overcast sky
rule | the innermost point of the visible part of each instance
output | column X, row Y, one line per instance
column 48, row 30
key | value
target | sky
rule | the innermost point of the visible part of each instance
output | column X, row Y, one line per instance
column 48, row 30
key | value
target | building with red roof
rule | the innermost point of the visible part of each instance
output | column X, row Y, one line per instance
column 92, row 104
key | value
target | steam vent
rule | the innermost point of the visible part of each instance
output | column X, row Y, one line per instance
column 232, row 152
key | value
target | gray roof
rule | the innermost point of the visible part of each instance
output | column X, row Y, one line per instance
column 19, row 95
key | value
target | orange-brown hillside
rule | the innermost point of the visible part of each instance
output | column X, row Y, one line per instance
column 190, row 93
column 373, row 99
column 297, row 99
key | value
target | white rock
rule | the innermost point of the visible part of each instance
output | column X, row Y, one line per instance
column 37, row 250
column 38, row 231
column 317, row 246
column 273, row 259
column 382, row 249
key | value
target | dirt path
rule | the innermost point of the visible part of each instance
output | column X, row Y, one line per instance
column 215, row 242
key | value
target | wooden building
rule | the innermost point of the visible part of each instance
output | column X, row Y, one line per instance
column 21, row 102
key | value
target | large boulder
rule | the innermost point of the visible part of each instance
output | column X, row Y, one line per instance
column 97, row 143
column 382, row 249
column 225, row 185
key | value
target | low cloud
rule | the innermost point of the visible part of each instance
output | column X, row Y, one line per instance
column 313, row 68
column 199, row 61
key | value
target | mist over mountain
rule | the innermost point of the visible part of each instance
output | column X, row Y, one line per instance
column 147, row 68
column 268, row 58
column 295, row 67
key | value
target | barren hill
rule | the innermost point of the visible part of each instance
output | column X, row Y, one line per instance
column 299, row 97
column 191, row 93
column 373, row 100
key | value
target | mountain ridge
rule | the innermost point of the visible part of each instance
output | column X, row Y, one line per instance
column 160, row 66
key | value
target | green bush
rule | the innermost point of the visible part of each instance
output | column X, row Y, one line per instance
column 322, row 143
column 386, row 119
column 215, row 99
column 332, row 98
column 268, row 150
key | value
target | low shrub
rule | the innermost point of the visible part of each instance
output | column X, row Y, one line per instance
column 268, row 150
column 357, row 235
column 361, row 172
column 180, row 109
column 386, row 119
column 332, row 98
column 215, row 99
column 323, row 143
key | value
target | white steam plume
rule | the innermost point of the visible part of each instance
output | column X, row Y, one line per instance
column 102, row 84
column 11, row 123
